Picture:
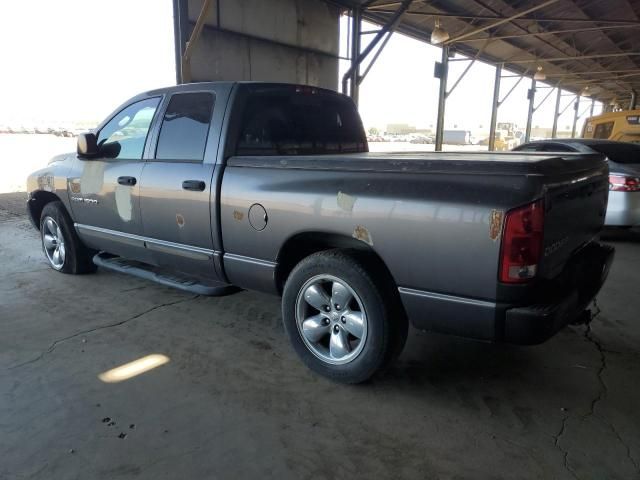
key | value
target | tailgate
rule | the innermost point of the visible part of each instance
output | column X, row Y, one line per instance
column 575, row 209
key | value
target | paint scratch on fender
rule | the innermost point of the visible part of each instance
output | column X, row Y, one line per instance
column 495, row 224
column 346, row 201
column 361, row 233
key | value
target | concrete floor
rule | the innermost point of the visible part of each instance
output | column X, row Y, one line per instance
column 234, row 401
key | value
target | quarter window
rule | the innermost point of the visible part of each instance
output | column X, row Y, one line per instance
column 124, row 136
column 185, row 126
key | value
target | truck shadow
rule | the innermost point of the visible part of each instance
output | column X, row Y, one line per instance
column 626, row 235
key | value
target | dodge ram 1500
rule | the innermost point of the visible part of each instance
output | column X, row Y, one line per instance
column 213, row 187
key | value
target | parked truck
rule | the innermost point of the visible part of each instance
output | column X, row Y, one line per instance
column 213, row 187
column 457, row 137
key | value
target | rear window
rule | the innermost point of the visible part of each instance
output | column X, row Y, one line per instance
column 303, row 121
column 619, row 152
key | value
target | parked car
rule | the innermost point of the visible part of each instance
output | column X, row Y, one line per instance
column 270, row 187
column 623, row 209
column 422, row 139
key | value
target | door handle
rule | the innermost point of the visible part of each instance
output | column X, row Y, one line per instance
column 130, row 181
column 195, row 185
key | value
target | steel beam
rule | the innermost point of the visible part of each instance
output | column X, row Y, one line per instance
column 544, row 99
column 462, row 75
column 494, row 108
column 195, row 35
column 579, row 57
column 500, row 22
column 180, row 27
column 354, row 71
column 553, row 32
column 511, row 90
column 375, row 57
column 556, row 113
column 532, row 95
column 378, row 9
column 576, row 106
column 632, row 103
column 356, row 60
column 593, row 104
column 442, row 97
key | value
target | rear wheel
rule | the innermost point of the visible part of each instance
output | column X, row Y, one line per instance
column 343, row 323
column 62, row 248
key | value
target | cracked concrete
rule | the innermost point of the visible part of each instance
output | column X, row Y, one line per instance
column 234, row 401
column 55, row 343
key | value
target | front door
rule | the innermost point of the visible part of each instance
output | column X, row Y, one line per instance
column 176, row 193
column 104, row 191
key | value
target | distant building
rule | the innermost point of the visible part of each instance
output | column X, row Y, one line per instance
column 400, row 129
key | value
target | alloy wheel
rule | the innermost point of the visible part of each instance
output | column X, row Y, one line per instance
column 331, row 319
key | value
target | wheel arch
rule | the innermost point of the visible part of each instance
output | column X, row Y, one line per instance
column 37, row 202
column 301, row 245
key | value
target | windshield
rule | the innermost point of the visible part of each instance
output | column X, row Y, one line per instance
column 619, row 152
column 303, row 121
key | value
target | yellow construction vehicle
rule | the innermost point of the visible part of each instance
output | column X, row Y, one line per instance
column 623, row 126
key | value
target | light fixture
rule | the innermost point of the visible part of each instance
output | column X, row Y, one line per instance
column 585, row 92
column 539, row 75
column 439, row 34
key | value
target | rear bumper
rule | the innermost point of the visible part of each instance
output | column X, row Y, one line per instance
column 623, row 209
column 534, row 324
column 562, row 303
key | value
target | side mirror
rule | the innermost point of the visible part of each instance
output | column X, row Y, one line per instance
column 87, row 145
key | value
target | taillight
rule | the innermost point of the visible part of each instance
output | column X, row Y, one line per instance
column 522, row 243
column 622, row 183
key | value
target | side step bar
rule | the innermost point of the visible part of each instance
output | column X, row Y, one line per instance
column 155, row 274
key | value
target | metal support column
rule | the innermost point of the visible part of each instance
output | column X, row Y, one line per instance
column 442, row 72
column 593, row 105
column 556, row 113
column 180, row 34
column 494, row 107
column 352, row 75
column 576, row 107
column 531, row 95
column 632, row 103
column 356, row 27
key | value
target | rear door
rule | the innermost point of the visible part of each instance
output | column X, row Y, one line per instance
column 104, row 191
column 176, row 193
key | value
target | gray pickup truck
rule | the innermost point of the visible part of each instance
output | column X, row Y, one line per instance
column 218, row 186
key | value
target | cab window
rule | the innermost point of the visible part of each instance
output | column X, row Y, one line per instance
column 124, row 136
column 185, row 127
column 603, row 130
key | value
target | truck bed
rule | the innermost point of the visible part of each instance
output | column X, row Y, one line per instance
column 468, row 163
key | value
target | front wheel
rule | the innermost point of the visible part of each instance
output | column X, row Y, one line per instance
column 60, row 242
column 341, row 318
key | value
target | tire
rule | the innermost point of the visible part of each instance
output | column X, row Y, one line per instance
column 346, row 343
column 72, row 256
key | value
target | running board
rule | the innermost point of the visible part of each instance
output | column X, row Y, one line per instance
column 163, row 277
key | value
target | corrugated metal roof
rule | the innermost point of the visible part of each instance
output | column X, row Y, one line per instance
column 577, row 42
